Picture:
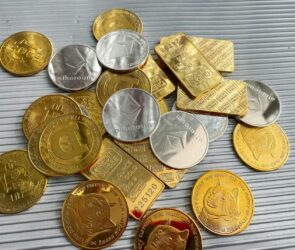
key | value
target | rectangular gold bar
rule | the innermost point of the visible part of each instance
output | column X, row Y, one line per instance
column 142, row 152
column 163, row 106
column 188, row 64
column 229, row 98
column 219, row 53
column 161, row 85
column 139, row 186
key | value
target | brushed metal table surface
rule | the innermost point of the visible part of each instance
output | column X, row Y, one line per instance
column 264, row 36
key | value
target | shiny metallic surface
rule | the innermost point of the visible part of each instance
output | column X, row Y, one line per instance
column 74, row 67
column 263, row 105
column 180, row 141
column 263, row 33
column 215, row 125
column 131, row 115
column 122, row 50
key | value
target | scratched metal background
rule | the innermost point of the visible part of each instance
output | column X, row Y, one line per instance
column 264, row 36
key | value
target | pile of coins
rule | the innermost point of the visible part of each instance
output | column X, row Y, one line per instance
column 124, row 139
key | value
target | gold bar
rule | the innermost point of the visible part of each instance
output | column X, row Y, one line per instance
column 219, row 53
column 228, row 98
column 140, row 187
column 188, row 64
column 142, row 152
column 161, row 85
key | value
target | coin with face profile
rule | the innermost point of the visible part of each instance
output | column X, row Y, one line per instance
column 215, row 125
column 122, row 50
column 74, row 67
column 131, row 115
column 264, row 149
column 94, row 214
column 70, row 143
column 168, row 228
column 116, row 19
column 180, row 141
column 263, row 105
column 222, row 202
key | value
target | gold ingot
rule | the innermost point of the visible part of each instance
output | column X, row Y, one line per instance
column 94, row 215
column 142, row 152
column 163, row 106
column 25, row 53
column 188, row 64
column 161, row 85
column 264, row 149
column 34, row 153
column 222, row 202
column 229, row 97
column 46, row 108
column 70, row 143
column 219, row 53
column 21, row 184
column 110, row 82
column 88, row 100
column 116, row 19
column 140, row 187
column 168, row 229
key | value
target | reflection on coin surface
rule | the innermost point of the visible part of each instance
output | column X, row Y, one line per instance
column 215, row 125
column 46, row 108
column 116, row 19
column 25, row 53
column 263, row 105
column 87, row 99
column 70, row 143
column 74, row 67
column 180, row 141
column 222, row 202
column 122, row 50
column 110, row 82
column 34, row 153
column 168, row 228
column 131, row 115
column 21, row 184
column 264, row 149
column 94, row 215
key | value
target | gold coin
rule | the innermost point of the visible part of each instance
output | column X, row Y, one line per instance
column 161, row 84
column 70, row 143
column 163, row 106
column 168, row 229
column 222, row 202
column 21, row 184
column 229, row 97
column 109, row 83
column 188, row 64
column 25, row 53
column 34, row 153
column 94, row 215
column 142, row 152
column 116, row 19
column 140, row 187
column 45, row 108
column 88, row 100
column 264, row 149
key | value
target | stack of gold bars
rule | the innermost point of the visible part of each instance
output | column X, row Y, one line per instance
column 124, row 139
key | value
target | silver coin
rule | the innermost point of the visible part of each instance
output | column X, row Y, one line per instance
column 215, row 125
column 264, row 106
column 74, row 67
column 180, row 141
column 122, row 50
column 131, row 115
